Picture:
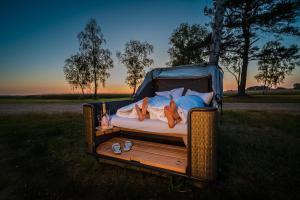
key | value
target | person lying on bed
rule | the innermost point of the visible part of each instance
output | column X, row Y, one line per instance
column 166, row 106
column 170, row 112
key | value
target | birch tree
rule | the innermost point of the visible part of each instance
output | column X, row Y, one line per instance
column 276, row 62
column 135, row 58
column 217, row 26
column 245, row 20
column 77, row 73
column 189, row 44
column 99, row 59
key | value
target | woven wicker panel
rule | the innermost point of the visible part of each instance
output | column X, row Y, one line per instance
column 203, row 145
column 87, row 116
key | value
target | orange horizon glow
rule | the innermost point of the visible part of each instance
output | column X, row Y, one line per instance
column 66, row 89
column 113, row 86
column 37, row 37
column 63, row 89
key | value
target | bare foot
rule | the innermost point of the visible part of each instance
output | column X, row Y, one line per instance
column 141, row 117
column 145, row 106
column 173, row 109
column 169, row 116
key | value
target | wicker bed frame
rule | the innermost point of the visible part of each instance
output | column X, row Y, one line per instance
column 201, row 138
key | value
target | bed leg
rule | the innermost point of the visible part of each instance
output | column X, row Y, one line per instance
column 89, row 128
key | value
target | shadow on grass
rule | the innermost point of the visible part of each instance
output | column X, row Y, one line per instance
column 42, row 157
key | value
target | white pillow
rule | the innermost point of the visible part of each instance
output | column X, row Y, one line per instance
column 206, row 97
column 175, row 93
column 163, row 94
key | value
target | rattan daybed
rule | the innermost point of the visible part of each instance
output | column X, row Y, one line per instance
column 192, row 156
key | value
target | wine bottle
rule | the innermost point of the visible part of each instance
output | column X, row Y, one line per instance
column 104, row 117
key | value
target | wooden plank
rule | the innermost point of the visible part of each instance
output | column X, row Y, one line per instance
column 160, row 161
column 105, row 149
column 155, row 160
column 106, row 131
column 153, row 144
column 160, row 149
column 150, row 155
column 177, row 135
column 184, row 138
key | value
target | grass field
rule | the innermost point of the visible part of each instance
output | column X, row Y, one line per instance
column 42, row 157
column 274, row 96
column 270, row 98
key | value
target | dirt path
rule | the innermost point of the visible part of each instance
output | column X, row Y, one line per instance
column 44, row 108
column 59, row 108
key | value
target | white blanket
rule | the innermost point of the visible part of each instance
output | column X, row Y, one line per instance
column 156, row 107
column 149, row 125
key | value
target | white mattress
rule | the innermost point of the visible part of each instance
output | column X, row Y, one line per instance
column 149, row 125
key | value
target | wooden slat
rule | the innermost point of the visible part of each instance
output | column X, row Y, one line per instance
column 155, row 149
column 184, row 138
column 153, row 154
column 177, row 135
column 107, row 131
column 152, row 144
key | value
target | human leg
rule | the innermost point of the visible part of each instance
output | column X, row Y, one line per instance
column 169, row 116
column 141, row 117
column 173, row 109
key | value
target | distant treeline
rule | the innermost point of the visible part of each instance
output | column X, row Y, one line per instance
column 65, row 96
column 264, row 93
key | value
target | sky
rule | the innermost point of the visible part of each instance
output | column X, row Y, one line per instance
column 37, row 36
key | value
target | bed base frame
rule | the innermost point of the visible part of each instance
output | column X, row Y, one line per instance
column 201, row 141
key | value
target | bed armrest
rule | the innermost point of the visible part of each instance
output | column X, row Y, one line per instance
column 90, row 113
column 112, row 106
column 202, row 125
column 89, row 127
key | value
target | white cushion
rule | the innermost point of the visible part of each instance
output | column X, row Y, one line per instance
column 149, row 125
column 206, row 97
column 163, row 94
column 175, row 93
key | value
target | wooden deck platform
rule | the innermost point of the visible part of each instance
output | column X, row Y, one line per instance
column 163, row 156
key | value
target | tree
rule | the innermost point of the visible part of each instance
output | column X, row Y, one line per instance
column 276, row 62
column 189, row 44
column 135, row 58
column 232, row 64
column 217, row 26
column 297, row 86
column 246, row 19
column 76, row 72
column 99, row 59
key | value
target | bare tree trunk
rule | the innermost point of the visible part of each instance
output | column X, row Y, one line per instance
column 134, row 88
column 246, row 33
column 242, row 87
column 95, row 86
column 217, row 27
column 95, row 79
column 238, row 84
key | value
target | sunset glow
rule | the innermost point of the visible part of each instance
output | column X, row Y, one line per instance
column 36, row 38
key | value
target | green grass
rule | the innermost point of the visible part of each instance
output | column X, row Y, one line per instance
column 269, row 98
column 269, row 92
column 42, row 157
